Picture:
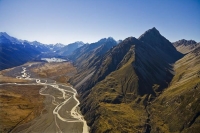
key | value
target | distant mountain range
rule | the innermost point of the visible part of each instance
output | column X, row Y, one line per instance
column 15, row 52
column 145, row 84
column 6, row 39
column 67, row 50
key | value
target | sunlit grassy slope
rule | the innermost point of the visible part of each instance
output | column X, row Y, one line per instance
column 177, row 108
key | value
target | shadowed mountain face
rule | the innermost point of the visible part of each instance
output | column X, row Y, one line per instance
column 162, row 46
column 85, row 49
column 88, row 58
column 154, row 61
column 15, row 52
column 151, row 62
column 130, row 74
column 186, row 46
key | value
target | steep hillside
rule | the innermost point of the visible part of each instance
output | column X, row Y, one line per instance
column 154, row 61
column 15, row 54
column 152, row 64
column 108, row 107
column 85, row 49
column 186, row 46
column 162, row 46
column 129, row 75
column 88, row 59
column 177, row 108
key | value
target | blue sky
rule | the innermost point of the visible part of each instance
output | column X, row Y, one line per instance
column 67, row 21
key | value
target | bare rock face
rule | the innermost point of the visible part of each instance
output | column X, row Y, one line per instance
column 88, row 59
column 186, row 46
column 153, row 38
column 184, row 42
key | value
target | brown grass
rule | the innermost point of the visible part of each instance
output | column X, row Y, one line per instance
column 61, row 72
column 117, row 118
column 19, row 104
column 6, row 79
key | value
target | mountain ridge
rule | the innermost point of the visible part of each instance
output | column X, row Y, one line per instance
column 143, row 84
column 131, row 80
column 16, row 52
column 186, row 46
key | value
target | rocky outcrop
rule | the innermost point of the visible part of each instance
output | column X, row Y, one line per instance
column 186, row 46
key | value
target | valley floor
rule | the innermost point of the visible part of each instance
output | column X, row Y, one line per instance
column 38, row 104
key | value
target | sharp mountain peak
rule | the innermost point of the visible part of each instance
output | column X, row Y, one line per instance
column 106, row 39
column 3, row 33
column 153, row 32
column 130, row 39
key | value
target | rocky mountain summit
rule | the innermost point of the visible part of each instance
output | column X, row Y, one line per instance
column 186, row 46
column 184, row 42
